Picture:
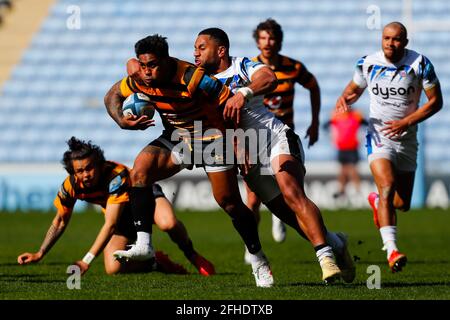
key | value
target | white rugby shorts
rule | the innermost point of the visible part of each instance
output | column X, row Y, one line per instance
column 286, row 142
column 402, row 153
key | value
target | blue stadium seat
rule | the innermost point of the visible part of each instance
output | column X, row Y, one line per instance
column 57, row 89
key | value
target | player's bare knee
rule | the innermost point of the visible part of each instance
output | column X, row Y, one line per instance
column 166, row 224
column 138, row 177
column 112, row 269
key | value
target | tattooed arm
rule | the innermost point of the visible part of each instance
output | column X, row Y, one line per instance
column 113, row 102
column 56, row 229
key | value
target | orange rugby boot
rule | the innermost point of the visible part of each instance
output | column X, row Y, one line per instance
column 397, row 261
column 373, row 196
column 204, row 267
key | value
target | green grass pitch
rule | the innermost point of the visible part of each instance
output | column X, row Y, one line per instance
column 423, row 235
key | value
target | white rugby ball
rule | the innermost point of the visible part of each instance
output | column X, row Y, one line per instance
column 138, row 104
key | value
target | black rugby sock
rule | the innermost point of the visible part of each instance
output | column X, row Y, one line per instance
column 245, row 224
column 142, row 203
column 320, row 246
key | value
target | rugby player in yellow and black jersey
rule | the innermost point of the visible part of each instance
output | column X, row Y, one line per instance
column 269, row 37
column 183, row 94
column 106, row 183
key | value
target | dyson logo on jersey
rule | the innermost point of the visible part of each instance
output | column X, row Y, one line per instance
column 387, row 92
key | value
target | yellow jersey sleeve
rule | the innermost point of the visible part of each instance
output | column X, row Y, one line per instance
column 65, row 199
column 118, row 188
column 127, row 87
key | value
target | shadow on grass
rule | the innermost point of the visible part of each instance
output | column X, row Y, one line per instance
column 16, row 264
column 321, row 284
column 29, row 278
column 228, row 274
column 415, row 284
column 18, row 276
column 363, row 284
column 410, row 262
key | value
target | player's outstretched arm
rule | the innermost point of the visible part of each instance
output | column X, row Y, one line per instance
column 350, row 95
column 112, row 215
column 56, row 229
column 433, row 105
column 113, row 102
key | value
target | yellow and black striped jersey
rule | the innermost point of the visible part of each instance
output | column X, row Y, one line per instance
column 112, row 188
column 281, row 101
column 190, row 96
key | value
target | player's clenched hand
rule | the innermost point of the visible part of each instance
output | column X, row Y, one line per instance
column 26, row 258
column 84, row 267
column 233, row 108
column 395, row 128
column 132, row 122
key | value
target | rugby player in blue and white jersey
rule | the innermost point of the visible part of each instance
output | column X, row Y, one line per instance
column 282, row 187
column 395, row 77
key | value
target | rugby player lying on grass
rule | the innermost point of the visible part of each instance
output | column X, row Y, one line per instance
column 95, row 180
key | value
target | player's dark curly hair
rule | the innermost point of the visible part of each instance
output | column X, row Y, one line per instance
column 219, row 36
column 272, row 27
column 79, row 150
column 154, row 44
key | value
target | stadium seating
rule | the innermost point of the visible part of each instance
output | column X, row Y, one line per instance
column 57, row 89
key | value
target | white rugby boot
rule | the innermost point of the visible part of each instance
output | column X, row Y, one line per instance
column 263, row 274
column 136, row 252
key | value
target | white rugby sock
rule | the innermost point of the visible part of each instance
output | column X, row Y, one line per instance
column 257, row 257
column 324, row 252
column 389, row 237
column 143, row 239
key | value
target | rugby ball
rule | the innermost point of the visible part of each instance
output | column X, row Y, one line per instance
column 138, row 104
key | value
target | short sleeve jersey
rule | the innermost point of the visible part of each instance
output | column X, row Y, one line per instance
column 111, row 188
column 394, row 88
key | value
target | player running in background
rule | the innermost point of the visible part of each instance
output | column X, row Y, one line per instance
column 395, row 77
column 250, row 81
column 184, row 96
column 106, row 183
column 269, row 38
column 344, row 132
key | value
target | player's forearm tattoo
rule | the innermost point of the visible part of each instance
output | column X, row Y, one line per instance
column 53, row 233
column 113, row 102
